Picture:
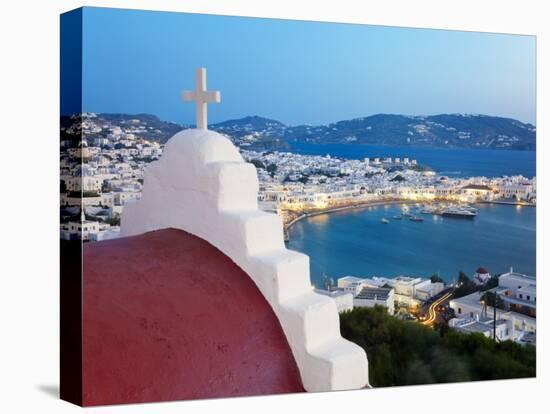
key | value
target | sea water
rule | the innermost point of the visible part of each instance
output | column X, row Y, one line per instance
column 355, row 242
column 450, row 162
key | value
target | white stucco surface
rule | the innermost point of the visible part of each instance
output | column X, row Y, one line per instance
column 202, row 185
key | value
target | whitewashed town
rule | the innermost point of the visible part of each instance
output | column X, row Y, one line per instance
column 293, row 185
column 296, row 186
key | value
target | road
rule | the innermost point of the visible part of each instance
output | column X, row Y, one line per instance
column 432, row 313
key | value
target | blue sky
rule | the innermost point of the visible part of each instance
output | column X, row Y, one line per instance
column 300, row 72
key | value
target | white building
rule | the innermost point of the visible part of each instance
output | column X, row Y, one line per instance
column 412, row 291
column 519, row 292
column 344, row 300
column 481, row 276
column 350, row 284
column 502, row 328
column 371, row 296
column 407, row 291
column 426, row 291
column 471, row 307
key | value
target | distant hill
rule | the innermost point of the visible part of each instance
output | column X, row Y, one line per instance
column 255, row 132
column 446, row 130
column 264, row 134
column 251, row 123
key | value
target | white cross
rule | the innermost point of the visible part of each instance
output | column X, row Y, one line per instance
column 201, row 96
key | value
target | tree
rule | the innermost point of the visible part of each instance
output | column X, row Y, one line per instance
column 398, row 178
column 492, row 299
column 105, row 186
column 436, row 279
column 406, row 352
column 465, row 286
column 114, row 221
column 258, row 163
column 271, row 169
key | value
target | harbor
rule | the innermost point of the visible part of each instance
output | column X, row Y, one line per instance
column 451, row 210
column 355, row 242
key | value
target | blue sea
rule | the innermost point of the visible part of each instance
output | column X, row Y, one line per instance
column 355, row 242
column 451, row 162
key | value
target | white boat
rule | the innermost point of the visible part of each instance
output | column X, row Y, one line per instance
column 428, row 210
column 459, row 212
column 385, row 221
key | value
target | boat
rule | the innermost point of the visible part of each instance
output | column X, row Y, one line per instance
column 384, row 220
column 416, row 218
column 459, row 212
column 469, row 208
column 428, row 210
column 397, row 217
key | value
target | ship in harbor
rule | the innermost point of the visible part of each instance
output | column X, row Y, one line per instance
column 459, row 212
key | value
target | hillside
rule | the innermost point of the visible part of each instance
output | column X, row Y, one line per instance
column 446, row 130
column 264, row 134
column 408, row 353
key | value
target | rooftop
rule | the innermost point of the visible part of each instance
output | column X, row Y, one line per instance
column 476, row 187
column 374, row 293
column 168, row 316
column 332, row 293
column 519, row 276
column 473, row 300
column 475, row 327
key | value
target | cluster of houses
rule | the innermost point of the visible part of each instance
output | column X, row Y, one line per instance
column 391, row 293
column 105, row 170
column 513, row 318
column 291, row 181
column 100, row 174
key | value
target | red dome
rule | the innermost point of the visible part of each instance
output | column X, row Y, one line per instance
column 482, row 271
column 167, row 316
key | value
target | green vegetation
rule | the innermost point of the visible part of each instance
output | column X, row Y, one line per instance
column 258, row 163
column 114, row 221
column 372, row 174
column 398, row 178
column 271, row 169
column 420, row 168
column 436, row 279
column 406, row 352
column 492, row 299
column 466, row 285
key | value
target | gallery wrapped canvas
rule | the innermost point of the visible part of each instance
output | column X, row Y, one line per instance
column 258, row 206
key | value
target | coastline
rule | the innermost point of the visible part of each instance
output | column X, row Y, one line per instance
column 509, row 203
column 356, row 242
column 305, row 215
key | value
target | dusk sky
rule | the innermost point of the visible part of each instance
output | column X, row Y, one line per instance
column 300, row 72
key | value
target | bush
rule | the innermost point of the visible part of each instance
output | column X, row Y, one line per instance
column 406, row 352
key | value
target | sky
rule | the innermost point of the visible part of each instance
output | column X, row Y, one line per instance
column 299, row 72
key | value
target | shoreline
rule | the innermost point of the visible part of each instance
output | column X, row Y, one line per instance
column 342, row 208
column 509, row 203
column 305, row 215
